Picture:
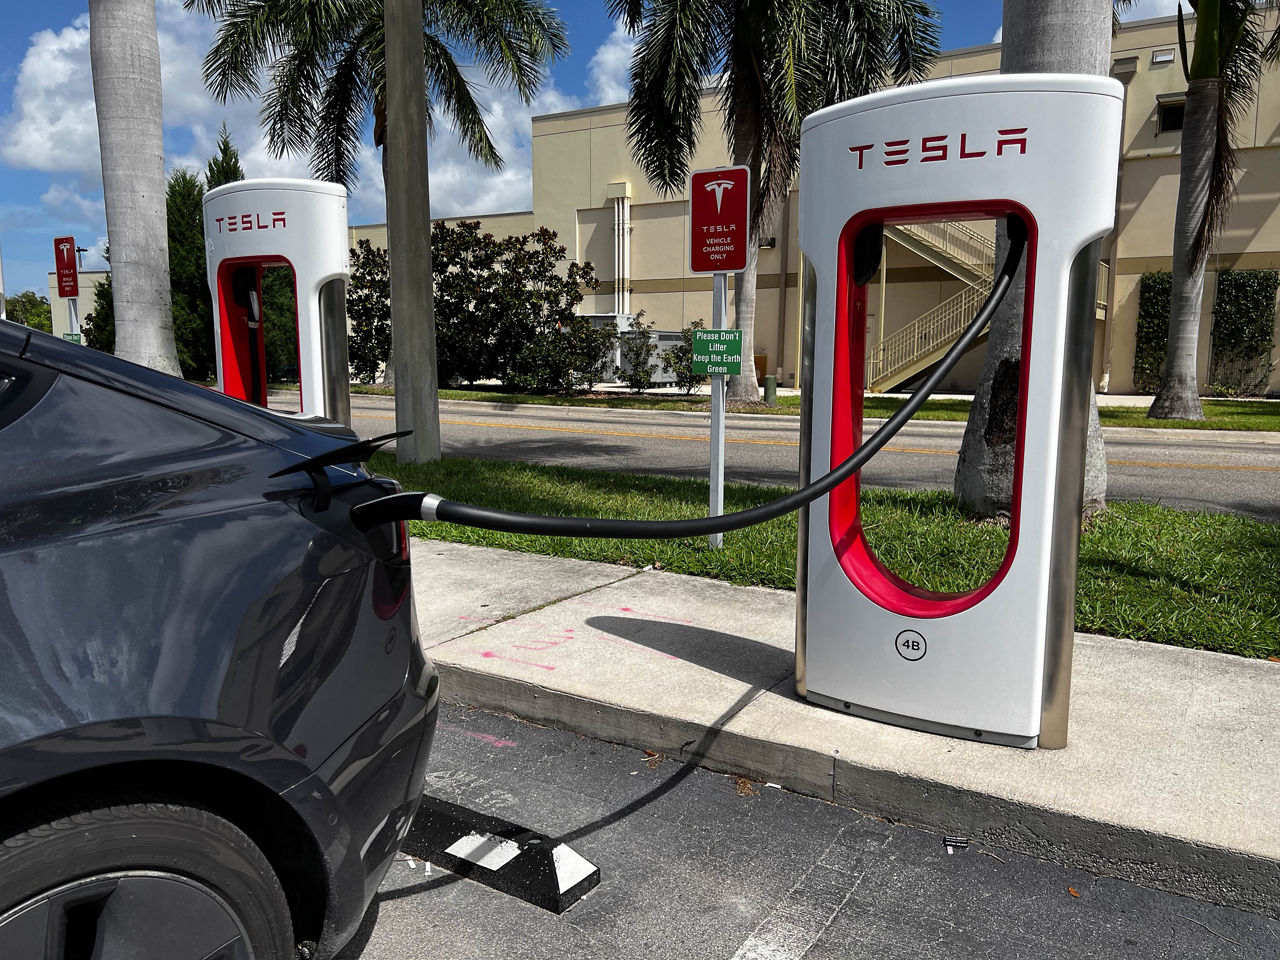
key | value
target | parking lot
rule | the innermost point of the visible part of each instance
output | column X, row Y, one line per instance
column 696, row 864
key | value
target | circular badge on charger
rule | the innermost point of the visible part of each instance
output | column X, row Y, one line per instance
column 910, row 645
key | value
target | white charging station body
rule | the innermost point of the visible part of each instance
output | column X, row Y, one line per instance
column 301, row 224
column 992, row 664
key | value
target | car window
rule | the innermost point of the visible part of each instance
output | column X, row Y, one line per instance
column 22, row 385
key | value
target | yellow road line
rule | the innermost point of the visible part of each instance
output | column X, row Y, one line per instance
column 1191, row 466
column 789, row 443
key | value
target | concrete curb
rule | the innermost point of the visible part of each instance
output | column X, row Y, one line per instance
column 1149, row 858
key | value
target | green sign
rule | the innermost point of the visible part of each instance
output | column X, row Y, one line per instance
column 73, row 337
column 717, row 352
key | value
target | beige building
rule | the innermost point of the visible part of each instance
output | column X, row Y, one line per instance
column 588, row 189
column 60, row 308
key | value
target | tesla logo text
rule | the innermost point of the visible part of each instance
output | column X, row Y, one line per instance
column 719, row 186
column 250, row 221
column 943, row 147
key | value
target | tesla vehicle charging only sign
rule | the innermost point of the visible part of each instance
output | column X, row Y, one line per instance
column 719, row 221
column 64, row 258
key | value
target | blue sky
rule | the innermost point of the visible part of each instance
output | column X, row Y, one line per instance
column 50, row 184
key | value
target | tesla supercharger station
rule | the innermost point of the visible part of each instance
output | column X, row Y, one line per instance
column 300, row 224
column 992, row 664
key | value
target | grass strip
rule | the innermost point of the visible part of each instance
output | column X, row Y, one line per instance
column 1202, row 580
column 1219, row 414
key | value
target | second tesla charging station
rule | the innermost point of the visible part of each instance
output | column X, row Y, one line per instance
column 991, row 664
column 250, row 225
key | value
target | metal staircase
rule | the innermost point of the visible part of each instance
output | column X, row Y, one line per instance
column 965, row 254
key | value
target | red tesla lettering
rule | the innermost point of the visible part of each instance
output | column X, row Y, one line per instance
column 897, row 149
column 933, row 149
column 232, row 225
column 218, row 221
column 277, row 218
column 246, row 221
column 965, row 154
column 860, row 151
column 1010, row 138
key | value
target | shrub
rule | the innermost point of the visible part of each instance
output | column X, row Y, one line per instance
column 368, row 312
column 638, row 350
column 678, row 360
column 1153, row 330
column 1244, row 322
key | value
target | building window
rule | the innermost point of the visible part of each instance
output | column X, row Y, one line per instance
column 1169, row 112
column 1162, row 56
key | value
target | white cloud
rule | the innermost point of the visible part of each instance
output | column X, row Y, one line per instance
column 999, row 35
column 62, row 201
column 52, row 126
column 607, row 73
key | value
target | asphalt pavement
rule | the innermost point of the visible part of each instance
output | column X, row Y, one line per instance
column 698, row 865
column 1237, row 472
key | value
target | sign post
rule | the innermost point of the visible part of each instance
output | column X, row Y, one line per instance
column 64, row 258
column 719, row 230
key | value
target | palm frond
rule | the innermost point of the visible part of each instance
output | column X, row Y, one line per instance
column 339, row 120
column 1240, row 63
column 513, row 41
column 447, row 84
column 676, row 52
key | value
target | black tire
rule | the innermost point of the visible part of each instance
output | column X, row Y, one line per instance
column 160, row 881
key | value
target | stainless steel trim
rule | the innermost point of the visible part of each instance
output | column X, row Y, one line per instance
column 928, row 726
column 333, row 351
column 808, row 316
column 1065, row 526
column 429, row 504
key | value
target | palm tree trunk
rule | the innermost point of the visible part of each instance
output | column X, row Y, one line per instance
column 1040, row 36
column 124, row 54
column 744, row 388
column 1178, row 396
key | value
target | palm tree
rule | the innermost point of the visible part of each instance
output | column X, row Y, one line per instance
column 124, row 56
column 1039, row 36
column 1221, row 75
column 770, row 63
column 323, row 66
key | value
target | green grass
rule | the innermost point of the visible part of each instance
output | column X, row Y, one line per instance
column 1219, row 414
column 1203, row 580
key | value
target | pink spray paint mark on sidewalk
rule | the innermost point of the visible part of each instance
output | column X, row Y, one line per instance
column 652, row 616
column 486, row 737
column 490, row 655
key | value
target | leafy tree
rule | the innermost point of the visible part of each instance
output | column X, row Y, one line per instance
column 188, row 280
column 369, row 311
column 541, row 344
column 638, row 351
column 471, row 327
column 224, row 166
column 777, row 61
column 1222, row 79
column 678, row 360
column 31, row 310
column 280, row 324
column 99, row 327
column 124, row 57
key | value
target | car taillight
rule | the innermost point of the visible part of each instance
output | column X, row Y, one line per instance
column 392, row 579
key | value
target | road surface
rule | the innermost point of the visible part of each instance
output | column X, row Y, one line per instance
column 1233, row 472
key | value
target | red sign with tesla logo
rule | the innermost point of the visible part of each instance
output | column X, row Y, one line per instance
column 64, row 259
column 719, row 219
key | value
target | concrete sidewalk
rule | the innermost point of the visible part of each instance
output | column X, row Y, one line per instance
column 1171, row 779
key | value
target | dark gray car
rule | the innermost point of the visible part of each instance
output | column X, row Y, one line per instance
column 214, row 709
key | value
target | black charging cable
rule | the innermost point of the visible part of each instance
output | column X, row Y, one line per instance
column 430, row 506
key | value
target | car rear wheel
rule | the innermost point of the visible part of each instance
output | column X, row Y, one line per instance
column 139, row 881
